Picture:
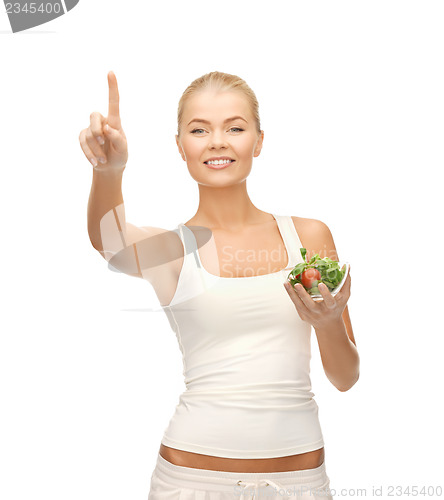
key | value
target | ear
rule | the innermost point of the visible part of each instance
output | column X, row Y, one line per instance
column 182, row 154
column 258, row 147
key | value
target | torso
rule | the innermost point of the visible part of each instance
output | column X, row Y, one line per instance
column 252, row 248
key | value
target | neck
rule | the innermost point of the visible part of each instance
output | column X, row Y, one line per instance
column 227, row 208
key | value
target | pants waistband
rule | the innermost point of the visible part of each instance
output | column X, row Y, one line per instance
column 225, row 481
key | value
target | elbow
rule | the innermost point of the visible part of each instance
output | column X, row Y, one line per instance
column 345, row 388
column 94, row 243
column 100, row 250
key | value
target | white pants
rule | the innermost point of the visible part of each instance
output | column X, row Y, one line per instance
column 174, row 482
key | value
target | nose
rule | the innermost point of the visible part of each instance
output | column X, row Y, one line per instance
column 217, row 140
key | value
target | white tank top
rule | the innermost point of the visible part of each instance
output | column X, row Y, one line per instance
column 246, row 361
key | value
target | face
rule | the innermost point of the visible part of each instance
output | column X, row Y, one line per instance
column 218, row 136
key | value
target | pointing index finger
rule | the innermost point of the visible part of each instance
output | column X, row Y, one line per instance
column 113, row 106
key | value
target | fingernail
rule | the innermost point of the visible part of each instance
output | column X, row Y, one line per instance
column 93, row 161
column 102, row 160
column 100, row 140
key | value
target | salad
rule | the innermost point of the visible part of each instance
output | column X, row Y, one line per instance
column 311, row 273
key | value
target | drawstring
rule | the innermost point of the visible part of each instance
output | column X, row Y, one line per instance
column 255, row 485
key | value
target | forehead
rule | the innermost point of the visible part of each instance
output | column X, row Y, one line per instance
column 215, row 106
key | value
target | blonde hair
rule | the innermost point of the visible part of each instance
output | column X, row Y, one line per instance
column 220, row 82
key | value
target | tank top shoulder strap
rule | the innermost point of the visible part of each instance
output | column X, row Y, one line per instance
column 189, row 244
column 291, row 238
column 190, row 282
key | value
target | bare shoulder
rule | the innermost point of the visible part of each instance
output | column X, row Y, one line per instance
column 316, row 237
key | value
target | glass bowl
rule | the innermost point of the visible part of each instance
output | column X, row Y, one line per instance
column 334, row 291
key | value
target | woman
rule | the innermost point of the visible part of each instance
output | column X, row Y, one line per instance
column 247, row 418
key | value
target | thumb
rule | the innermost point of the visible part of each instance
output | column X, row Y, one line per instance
column 115, row 138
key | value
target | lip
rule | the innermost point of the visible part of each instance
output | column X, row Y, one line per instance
column 219, row 167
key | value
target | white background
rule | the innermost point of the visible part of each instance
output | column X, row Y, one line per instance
column 351, row 102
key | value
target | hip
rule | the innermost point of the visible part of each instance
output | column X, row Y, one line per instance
column 170, row 481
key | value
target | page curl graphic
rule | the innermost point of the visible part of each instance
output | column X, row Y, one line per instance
column 24, row 15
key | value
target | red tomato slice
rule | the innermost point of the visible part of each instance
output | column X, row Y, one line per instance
column 309, row 276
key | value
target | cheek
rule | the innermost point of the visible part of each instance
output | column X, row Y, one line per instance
column 192, row 151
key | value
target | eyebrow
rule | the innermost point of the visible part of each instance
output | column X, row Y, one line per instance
column 225, row 121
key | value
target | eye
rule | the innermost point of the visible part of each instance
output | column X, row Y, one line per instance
column 200, row 129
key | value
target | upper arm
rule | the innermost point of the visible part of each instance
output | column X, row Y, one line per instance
column 143, row 252
column 317, row 239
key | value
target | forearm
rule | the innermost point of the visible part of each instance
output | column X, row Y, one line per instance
column 339, row 355
column 105, row 196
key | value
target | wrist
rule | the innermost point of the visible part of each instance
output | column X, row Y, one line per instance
column 108, row 172
column 333, row 327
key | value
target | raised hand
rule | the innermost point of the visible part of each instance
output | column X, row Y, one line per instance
column 105, row 139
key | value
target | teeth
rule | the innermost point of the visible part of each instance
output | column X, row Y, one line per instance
column 218, row 162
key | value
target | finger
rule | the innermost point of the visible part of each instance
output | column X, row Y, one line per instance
column 113, row 105
column 86, row 149
column 116, row 138
column 347, row 284
column 343, row 296
column 94, row 146
column 97, row 121
column 294, row 295
column 305, row 297
column 328, row 298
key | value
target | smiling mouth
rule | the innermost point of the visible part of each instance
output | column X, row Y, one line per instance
column 219, row 165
